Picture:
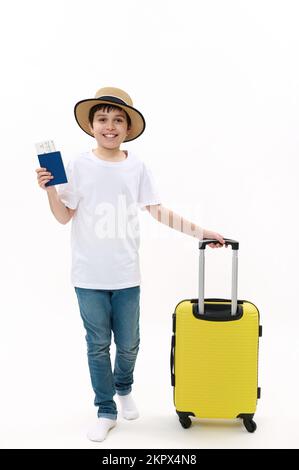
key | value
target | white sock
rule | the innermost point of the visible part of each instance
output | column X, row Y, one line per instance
column 129, row 408
column 100, row 430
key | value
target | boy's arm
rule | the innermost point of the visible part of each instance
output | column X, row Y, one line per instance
column 62, row 213
column 177, row 222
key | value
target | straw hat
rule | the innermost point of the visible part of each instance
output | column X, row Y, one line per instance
column 114, row 96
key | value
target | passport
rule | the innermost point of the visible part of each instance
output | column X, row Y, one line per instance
column 51, row 159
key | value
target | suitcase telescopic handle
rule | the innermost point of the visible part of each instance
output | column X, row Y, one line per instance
column 201, row 295
column 233, row 243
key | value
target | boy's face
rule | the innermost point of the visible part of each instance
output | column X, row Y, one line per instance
column 110, row 128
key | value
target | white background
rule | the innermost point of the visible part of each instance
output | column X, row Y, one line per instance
column 218, row 84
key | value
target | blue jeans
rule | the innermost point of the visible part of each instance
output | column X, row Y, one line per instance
column 102, row 312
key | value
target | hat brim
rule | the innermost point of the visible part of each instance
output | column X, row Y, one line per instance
column 83, row 107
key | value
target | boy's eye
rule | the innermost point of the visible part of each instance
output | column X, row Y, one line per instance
column 103, row 119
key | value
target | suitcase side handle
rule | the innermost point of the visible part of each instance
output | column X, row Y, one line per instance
column 201, row 296
column 172, row 360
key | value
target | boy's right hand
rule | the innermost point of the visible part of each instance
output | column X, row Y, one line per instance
column 43, row 177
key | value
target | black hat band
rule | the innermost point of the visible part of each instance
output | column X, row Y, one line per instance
column 113, row 99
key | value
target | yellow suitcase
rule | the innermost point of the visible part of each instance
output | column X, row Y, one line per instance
column 214, row 354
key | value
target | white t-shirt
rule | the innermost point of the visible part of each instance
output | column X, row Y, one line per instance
column 105, row 234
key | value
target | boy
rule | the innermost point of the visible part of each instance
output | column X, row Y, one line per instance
column 107, row 185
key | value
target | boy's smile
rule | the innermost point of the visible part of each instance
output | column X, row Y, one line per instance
column 110, row 128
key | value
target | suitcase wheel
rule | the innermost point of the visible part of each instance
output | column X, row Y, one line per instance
column 185, row 422
column 249, row 424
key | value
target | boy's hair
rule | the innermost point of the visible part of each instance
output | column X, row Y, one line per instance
column 106, row 107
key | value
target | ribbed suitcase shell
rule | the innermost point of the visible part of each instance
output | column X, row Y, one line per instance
column 216, row 362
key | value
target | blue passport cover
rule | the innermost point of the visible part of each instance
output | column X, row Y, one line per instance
column 53, row 162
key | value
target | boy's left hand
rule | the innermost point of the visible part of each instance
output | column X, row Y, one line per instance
column 216, row 236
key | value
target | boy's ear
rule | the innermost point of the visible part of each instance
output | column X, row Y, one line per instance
column 90, row 128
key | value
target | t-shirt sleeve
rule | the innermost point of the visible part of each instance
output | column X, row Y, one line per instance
column 148, row 191
column 68, row 192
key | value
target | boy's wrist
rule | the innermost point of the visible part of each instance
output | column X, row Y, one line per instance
column 51, row 190
column 199, row 233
